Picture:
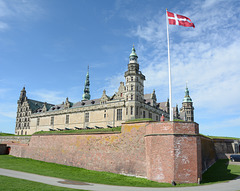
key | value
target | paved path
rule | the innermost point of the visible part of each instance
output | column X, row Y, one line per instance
column 233, row 185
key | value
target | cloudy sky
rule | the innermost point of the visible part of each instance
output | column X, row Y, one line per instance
column 47, row 46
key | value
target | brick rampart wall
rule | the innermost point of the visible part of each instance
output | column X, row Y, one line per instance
column 118, row 153
column 173, row 152
column 209, row 156
column 223, row 146
column 159, row 151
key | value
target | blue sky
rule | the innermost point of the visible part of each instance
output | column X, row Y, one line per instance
column 47, row 45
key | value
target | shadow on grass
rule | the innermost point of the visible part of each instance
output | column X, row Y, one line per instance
column 221, row 171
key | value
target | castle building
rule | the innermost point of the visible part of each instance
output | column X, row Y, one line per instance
column 128, row 103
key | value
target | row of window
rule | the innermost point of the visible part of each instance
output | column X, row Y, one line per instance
column 131, row 97
column 22, row 126
column 119, row 115
column 131, row 79
column 23, row 109
column 189, row 112
column 23, row 119
column 23, row 114
column 189, row 118
column 132, row 88
column 22, row 133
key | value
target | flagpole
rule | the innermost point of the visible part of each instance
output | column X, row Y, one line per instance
column 169, row 74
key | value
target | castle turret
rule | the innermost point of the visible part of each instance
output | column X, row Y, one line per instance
column 86, row 95
column 22, row 96
column 187, row 107
column 134, row 86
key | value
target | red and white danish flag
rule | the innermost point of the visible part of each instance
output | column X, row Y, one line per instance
column 175, row 19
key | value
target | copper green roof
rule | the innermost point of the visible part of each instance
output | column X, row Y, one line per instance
column 86, row 95
column 187, row 97
column 133, row 53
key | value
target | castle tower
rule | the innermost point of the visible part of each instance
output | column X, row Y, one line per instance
column 86, row 95
column 134, row 87
column 23, row 114
column 187, row 107
column 22, row 96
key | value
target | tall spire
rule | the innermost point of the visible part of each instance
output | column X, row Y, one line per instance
column 187, row 98
column 86, row 95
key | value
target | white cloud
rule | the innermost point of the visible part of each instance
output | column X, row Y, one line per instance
column 18, row 11
column 8, row 110
column 3, row 26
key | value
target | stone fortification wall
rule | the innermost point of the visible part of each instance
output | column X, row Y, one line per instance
column 209, row 156
column 163, row 152
column 223, row 147
column 119, row 153
column 173, row 152
column 15, row 139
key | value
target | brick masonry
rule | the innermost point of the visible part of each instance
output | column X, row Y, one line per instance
column 173, row 152
column 161, row 152
column 209, row 156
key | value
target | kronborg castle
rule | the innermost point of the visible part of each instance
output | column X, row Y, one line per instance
column 128, row 103
column 162, row 151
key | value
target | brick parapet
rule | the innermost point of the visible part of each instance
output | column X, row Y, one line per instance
column 180, row 128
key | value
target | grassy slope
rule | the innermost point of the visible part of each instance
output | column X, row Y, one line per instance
column 73, row 173
column 6, row 134
column 11, row 184
column 220, row 171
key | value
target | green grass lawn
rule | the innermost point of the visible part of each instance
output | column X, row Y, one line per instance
column 83, row 131
column 73, row 173
column 6, row 134
column 11, row 184
column 220, row 171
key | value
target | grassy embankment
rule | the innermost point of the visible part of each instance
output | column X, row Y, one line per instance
column 73, row 173
column 6, row 134
column 220, row 171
